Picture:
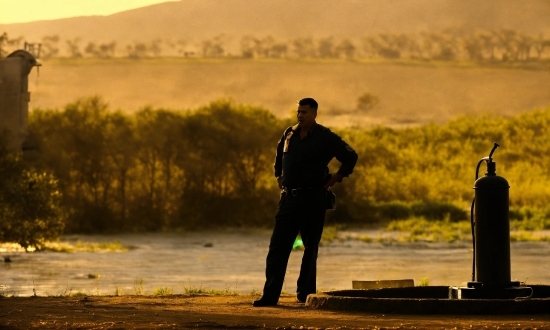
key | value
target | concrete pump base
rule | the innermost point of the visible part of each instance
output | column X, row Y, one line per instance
column 427, row 300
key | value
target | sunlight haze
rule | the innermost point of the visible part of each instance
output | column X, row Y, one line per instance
column 19, row 11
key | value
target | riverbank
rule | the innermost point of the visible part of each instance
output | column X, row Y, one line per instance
column 223, row 312
column 235, row 261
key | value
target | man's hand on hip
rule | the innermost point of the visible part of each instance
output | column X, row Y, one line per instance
column 280, row 182
column 333, row 179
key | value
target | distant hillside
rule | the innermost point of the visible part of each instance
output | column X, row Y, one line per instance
column 199, row 19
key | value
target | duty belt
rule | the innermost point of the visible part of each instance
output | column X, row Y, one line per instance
column 298, row 191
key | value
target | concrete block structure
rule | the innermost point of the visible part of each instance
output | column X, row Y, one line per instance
column 14, row 98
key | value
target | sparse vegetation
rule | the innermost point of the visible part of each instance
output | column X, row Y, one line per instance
column 163, row 291
column 437, row 231
column 527, row 236
column 139, row 291
column 60, row 246
column 79, row 246
column 424, row 281
column 420, row 229
column 330, row 233
column 138, row 287
column 217, row 292
column 79, row 294
column 483, row 47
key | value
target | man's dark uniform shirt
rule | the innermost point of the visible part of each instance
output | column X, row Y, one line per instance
column 304, row 162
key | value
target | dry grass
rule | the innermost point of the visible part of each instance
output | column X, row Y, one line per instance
column 409, row 93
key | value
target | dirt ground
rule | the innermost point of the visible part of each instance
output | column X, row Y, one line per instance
column 223, row 312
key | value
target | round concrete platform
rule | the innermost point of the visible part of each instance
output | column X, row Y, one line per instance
column 427, row 300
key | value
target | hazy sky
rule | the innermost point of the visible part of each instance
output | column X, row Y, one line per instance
column 18, row 11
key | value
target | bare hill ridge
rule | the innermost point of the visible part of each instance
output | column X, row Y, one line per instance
column 199, row 19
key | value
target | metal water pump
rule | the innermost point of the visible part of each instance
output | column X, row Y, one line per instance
column 491, row 239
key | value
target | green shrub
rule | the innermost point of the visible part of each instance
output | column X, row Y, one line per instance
column 30, row 211
column 439, row 211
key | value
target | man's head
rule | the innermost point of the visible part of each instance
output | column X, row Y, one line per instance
column 307, row 112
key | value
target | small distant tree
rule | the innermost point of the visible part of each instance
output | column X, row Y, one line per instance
column 473, row 47
column 101, row 50
column 73, row 47
column 304, row 47
column 180, row 46
column 7, row 44
column 137, row 50
column 91, row 49
column 279, row 50
column 265, row 45
column 213, row 47
column 108, row 50
column 489, row 43
column 345, row 48
column 325, row 47
column 367, row 102
column 248, row 48
column 525, row 43
column 50, row 47
column 540, row 44
column 508, row 41
column 155, row 47
column 3, row 42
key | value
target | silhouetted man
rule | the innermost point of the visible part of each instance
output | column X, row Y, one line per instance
column 301, row 169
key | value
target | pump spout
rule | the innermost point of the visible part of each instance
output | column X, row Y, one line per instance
column 495, row 146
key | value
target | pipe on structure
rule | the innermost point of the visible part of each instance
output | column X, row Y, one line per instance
column 14, row 98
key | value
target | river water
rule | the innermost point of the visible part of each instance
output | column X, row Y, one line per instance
column 235, row 261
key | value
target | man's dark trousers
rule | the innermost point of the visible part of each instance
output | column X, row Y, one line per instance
column 301, row 211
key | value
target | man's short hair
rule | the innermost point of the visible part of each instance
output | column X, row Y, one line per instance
column 309, row 101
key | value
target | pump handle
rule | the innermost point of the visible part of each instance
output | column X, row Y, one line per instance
column 495, row 146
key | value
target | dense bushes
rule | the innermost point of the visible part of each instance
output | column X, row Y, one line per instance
column 159, row 169
column 436, row 163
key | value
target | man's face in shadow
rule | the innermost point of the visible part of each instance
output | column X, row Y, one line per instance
column 306, row 116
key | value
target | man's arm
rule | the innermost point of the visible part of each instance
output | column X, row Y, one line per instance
column 345, row 155
column 278, row 167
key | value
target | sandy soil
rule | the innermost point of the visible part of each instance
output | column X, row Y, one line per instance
column 223, row 312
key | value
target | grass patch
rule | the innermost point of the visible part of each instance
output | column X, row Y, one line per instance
column 527, row 236
column 216, row 292
column 527, row 218
column 163, row 291
column 138, row 287
column 14, row 247
column 79, row 294
column 422, row 230
column 366, row 239
column 79, row 246
column 424, row 281
column 330, row 233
